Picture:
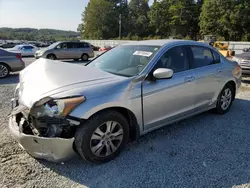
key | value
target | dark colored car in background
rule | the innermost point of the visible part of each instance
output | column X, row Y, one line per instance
column 8, row 45
column 10, row 62
column 95, row 48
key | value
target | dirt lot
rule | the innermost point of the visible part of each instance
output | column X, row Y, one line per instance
column 208, row 150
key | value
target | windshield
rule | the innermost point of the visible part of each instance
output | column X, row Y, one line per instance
column 125, row 60
column 53, row 45
column 17, row 47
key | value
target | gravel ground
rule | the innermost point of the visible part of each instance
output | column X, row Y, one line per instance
column 208, row 150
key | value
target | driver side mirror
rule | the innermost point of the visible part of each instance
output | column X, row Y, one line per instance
column 163, row 73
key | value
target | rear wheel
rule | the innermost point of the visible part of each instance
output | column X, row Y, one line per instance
column 85, row 57
column 225, row 99
column 4, row 70
column 51, row 56
column 102, row 137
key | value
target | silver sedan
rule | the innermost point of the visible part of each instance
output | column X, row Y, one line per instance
column 61, row 109
column 10, row 62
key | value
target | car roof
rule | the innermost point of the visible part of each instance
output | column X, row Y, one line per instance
column 163, row 42
column 71, row 42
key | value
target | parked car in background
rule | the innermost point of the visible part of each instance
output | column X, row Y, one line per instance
column 67, row 50
column 10, row 62
column 246, row 50
column 24, row 49
column 95, row 48
column 244, row 61
column 105, row 48
column 8, row 45
column 126, row 92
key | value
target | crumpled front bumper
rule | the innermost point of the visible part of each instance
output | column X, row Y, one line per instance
column 51, row 149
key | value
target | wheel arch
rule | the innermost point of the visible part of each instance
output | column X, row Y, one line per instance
column 6, row 65
column 84, row 54
column 134, row 130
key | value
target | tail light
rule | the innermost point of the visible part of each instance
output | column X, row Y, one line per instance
column 19, row 56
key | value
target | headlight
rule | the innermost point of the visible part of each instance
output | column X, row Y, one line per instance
column 40, row 53
column 56, row 107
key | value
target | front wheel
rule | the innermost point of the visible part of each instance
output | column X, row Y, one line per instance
column 102, row 137
column 51, row 56
column 225, row 99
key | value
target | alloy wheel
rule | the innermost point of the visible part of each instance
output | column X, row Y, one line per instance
column 3, row 71
column 106, row 139
column 226, row 99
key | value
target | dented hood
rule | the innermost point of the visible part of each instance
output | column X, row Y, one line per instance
column 45, row 76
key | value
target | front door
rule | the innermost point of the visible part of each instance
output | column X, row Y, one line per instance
column 61, row 51
column 166, row 100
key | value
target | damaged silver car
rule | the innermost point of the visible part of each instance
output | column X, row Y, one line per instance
column 60, row 109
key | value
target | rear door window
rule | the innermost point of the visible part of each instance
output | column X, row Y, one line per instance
column 202, row 56
column 83, row 45
column 70, row 45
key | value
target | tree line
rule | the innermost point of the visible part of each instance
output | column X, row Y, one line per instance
column 184, row 19
column 32, row 34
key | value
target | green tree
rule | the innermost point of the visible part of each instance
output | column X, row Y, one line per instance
column 138, row 17
column 175, row 18
column 159, row 18
column 98, row 20
column 229, row 19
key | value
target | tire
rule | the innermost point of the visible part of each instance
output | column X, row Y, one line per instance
column 225, row 99
column 85, row 57
column 86, row 143
column 51, row 56
column 4, row 70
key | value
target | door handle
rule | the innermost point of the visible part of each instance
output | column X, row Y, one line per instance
column 189, row 78
column 219, row 70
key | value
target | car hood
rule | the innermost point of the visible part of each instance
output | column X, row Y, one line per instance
column 42, row 50
column 47, row 77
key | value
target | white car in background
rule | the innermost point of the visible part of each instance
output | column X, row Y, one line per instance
column 24, row 49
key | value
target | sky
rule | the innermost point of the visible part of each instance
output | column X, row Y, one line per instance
column 52, row 14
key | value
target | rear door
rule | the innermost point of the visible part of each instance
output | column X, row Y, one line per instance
column 71, row 52
column 207, row 66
